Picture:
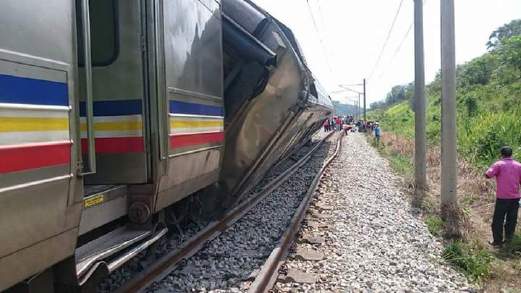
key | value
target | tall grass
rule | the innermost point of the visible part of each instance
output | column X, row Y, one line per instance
column 481, row 137
column 434, row 224
column 473, row 261
column 398, row 119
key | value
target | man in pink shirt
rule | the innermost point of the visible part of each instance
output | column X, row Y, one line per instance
column 508, row 177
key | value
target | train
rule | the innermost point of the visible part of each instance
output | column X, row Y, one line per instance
column 120, row 117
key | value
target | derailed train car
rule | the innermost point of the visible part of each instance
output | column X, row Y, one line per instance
column 272, row 101
column 112, row 113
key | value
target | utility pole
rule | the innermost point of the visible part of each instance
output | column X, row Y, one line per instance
column 420, row 148
column 359, row 110
column 365, row 107
column 355, row 111
column 449, row 156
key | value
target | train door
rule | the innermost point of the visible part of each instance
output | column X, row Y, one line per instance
column 118, row 93
column 119, row 110
column 189, row 91
column 40, row 192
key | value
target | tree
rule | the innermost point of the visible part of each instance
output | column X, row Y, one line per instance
column 477, row 71
column 504, row 32
column 471, row 105
column 377, row 105
column 510, row 52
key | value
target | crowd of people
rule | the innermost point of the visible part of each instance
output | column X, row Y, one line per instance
column 348, row 123
column 337, row 123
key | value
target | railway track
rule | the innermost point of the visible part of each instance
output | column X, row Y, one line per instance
column 150, row 279
column 269, row 272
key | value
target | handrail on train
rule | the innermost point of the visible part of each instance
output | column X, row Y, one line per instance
column 89, row 107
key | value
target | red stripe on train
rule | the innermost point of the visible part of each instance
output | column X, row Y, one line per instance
column 183, row 140
column 35, row 155
column 116, row 145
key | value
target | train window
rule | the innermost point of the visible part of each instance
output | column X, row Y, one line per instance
column 104, row 32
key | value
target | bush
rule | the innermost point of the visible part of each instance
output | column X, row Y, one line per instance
column 434, row 224
column 474, row 262
column 487, row 133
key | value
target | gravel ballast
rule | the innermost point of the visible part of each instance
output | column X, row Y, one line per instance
column 119, row 277
column 230, row 262
column 369, row 237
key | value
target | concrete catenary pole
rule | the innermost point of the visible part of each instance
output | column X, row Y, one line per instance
column 359, row 110
column 355, row 109
column 420, row 147
column 449, row 157
column 365, row 106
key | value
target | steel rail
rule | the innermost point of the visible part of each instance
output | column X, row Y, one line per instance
column 166, row 264
column 267, row 276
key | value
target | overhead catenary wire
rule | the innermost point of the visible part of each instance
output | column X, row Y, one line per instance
column 346, row 88
column 322, row 18
column 397, row 50
column 386, row 40
column 399, row 47
column 321, row 41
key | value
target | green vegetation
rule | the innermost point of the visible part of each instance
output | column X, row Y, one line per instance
column 434, row 224
column 399, row 118
column 401, row 164
column 398, row 93
column 473, row 261
column 488, row 101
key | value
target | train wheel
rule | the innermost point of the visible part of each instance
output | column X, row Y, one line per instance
column 176, row 215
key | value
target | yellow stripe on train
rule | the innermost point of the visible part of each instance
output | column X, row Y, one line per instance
column 182, row 123
column 129, row 125
column 23, row 124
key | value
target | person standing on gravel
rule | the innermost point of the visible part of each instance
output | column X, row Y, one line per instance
column 377, row 133
column 507, row 172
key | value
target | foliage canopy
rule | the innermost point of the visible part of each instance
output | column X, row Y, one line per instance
column 488, row 101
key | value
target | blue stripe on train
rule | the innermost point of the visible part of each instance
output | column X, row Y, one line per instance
column 24, row 90
column 177, row 107
column 114, row 108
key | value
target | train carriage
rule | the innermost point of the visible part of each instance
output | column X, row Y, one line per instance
column 40, row 192
column 114, row 113
column 271, row 97
column 158, row 110
column 110, row 113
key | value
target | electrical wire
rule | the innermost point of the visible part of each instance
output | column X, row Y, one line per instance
column 322, row 18
column 386, row 40
column 317, row 30
column 399, row 47
column 397, row 50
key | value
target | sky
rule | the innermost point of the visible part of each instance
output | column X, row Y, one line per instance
column 344, row 45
